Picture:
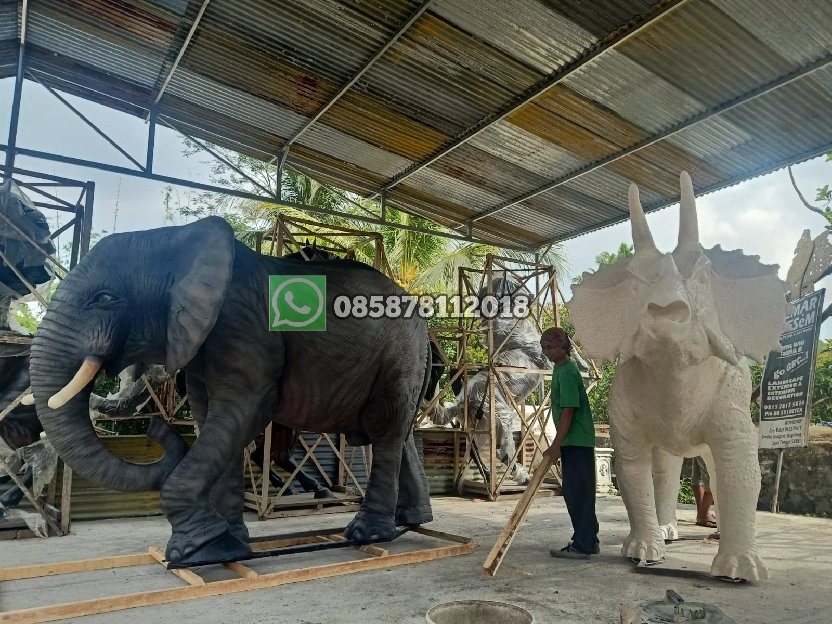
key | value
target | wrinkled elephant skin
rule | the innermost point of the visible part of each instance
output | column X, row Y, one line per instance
column 679, row 324
column 193, row 298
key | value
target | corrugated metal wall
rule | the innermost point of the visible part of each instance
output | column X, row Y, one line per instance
column 89, row 502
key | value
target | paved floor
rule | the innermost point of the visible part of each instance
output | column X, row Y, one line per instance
column 797, row 549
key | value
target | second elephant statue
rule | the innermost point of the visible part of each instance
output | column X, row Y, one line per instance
column 193, row 298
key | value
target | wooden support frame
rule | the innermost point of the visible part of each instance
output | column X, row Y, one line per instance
column 541, row 281
column 197, row 587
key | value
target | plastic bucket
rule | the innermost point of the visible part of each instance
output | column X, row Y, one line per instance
column 478, row 612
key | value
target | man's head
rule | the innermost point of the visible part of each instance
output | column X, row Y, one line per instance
column 555, row 344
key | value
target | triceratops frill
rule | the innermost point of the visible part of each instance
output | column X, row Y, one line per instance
column 679, row 325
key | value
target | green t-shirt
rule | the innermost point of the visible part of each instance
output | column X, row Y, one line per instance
column 568, row 391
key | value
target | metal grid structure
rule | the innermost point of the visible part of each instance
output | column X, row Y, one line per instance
column 47, row 191
column 541, row 281
column 513, row 122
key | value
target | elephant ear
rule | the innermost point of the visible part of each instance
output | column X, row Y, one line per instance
column 202, row 274
column 750, row 301
column 604, row 309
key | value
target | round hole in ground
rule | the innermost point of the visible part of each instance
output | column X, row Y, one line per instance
column 478, row 612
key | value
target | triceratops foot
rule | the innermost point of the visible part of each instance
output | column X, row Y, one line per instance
column 225, row 547
column 370, row 527
column 643, row 548
column 670, row 532
column 746, row 567
column 413, row 515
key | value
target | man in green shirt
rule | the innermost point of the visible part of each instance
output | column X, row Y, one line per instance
column 574, row 445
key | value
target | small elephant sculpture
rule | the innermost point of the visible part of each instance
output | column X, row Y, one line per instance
column 194, row 298
column 680, row 324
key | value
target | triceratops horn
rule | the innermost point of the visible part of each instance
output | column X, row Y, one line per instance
column 642, row 238
column 688, row 223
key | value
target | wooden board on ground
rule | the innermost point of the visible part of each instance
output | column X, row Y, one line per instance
column 375, row 557
column 700, row 575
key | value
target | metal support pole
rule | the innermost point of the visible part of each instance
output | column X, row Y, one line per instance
column 11, row 150
column 86, row 229
column 151, row 139
column 776, row 496
column 76, row 235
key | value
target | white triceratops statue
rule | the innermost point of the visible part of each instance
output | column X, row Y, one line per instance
column 680, row 324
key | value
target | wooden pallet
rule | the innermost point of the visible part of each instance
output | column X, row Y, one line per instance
column 198, row 587
column 302, row 505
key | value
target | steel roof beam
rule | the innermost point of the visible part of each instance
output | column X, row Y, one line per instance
column 181, row 53
column 252, row 196
column 331, row 102
column 652, row 140
column 601, row 47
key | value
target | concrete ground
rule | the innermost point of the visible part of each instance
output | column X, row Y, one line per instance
column 798, row 551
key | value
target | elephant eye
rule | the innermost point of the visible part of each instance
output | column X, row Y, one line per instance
column 104, row 298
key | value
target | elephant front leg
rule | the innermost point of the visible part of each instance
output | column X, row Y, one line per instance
column 202, row 498
column 667, row 469
column 737, row 468
column 634, row 475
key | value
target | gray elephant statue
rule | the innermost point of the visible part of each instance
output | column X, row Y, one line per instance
column 516, row 343
column 194, row 298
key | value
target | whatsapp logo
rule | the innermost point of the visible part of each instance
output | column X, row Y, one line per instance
column 297, row 302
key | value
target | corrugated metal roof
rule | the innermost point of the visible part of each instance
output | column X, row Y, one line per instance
column 530, row 117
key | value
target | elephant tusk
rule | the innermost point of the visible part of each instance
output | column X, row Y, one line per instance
column 86, row 373
column 28, row 399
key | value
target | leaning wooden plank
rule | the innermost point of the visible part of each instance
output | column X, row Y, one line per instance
column 162, row 596
column 191, row 578
column 495, row 557
column 82, row 565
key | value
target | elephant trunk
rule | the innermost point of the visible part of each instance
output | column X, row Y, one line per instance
column 70, row 430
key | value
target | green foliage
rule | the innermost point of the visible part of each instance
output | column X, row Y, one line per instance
column 599, row 396
column 822, row 394
column 24, row 315
column 686, row 491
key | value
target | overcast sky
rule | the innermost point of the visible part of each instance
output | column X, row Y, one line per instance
column 762, row 216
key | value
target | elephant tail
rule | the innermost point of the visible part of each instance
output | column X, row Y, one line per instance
column 429, row 381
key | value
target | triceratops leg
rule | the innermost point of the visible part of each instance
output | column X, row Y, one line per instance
column 633, row 467
column 736, row 489
column 666, row 471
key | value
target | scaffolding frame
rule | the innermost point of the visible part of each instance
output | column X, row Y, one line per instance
column 47, row 188
column 540, row 280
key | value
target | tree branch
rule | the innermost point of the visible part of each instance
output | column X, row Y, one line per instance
column 803, row 199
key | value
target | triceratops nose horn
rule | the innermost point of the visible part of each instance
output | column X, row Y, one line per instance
column 688, row 223
column 642, row 238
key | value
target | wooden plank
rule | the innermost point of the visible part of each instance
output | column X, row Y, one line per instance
column 241, row 570
column 375, row 551
column 191, row 578
column 81, row 565
column 501, row 546
column 110, row 604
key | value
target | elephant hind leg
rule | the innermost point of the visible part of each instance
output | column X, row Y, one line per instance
column 413, row 506
column 387, row 419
